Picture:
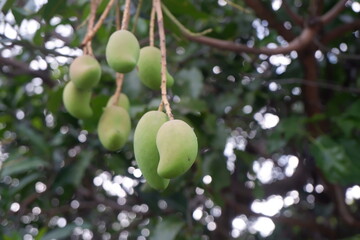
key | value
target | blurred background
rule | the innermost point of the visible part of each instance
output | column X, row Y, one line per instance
column 272, row 93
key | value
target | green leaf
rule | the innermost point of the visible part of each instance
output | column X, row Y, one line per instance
column 215, row 166
column 60, row 233
column 333, row 160
column 24, row 182
column 167, row 229
column 41, row 233
column 35, row 139
column 52, row 8
column 74, row 173
column 190, row 82
column 21, row 165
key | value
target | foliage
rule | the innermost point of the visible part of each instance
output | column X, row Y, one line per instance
column 269, row 126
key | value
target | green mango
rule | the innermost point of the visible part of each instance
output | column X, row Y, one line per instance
column 149, row 68
column 85, row 72
column 123, row 101
column 146, row 153
column 178, row 147
column 114, row 127
column 77, row 101
column 122, row 51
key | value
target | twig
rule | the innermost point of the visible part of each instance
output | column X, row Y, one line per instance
column 340, row 31
column 98, row 24
column 117, row 16
column 237, row 6
column 126, row 16
column 152, row 26
column 119, row 82
column 136, row 17
column 295, row 17
column 296, row 44
column 182, row 28
column 333, row 12
column 157, row 5
column 87, row 49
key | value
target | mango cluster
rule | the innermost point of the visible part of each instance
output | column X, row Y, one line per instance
column 85, row 73
column 164, row 149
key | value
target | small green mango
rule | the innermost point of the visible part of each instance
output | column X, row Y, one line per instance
column 146, row 153
column 123, row 101
column 114, row 127
column 85, row 72
column 149, row 68
column 178, row 147
column 122, row 51
column 77, row 101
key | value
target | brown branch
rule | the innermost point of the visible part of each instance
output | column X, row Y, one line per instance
column 157, row 5
column 340, row 31
column 119, row 82
column 137, row 14
column 342, row 208
column 295, row 17
column 264, row 13
column 152, row 27
column 126, row 16
column 296, row 44
column 333, row 12
column 97, row 26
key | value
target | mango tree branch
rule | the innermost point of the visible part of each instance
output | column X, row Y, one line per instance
column 295, row 17
column 126, row 16
column 137, row 14
column 98, row 24
column 333, row 12
column 340, row 31
column 152, row 27
column 296, row 44
column 263, row 12
column 165, row 102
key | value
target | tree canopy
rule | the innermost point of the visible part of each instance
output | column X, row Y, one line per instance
column 271, row 89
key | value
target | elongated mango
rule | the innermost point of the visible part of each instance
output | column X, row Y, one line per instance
column 122, row 51
column 177, row 145
column 146, row 153
column 77, row 101
column 149, row 68
column 85, row 72
column 114, row 127
column 123, row 101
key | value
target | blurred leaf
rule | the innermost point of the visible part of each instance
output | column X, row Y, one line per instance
column 190, row 82
column 167, row 229
column 21, row 165
column 215, row 166
column 52, row 8
column 41, row 233
column 24, row 182
column 34, row 139
column 55, row 100
column 60, row 233
column 334, row 161
column 73, row 173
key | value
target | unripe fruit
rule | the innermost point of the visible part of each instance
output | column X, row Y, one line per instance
column 146, row 153
column 178, row 147
column 85, row 72
column 123, row 101
column 149, row 66
column 122, row 51
column 114, row 127
column 77, row 101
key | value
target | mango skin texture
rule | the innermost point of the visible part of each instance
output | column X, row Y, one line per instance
column 85, row 72
column 178, row 148
column 146, row 153
column 114, row 127
column 122, row 51
column 123, row 101
column 149, row 68
column 77, row 101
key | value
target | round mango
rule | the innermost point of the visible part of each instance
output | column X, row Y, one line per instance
column 122, row 51
column 85, row 72
column 149, row 68
column 146, row 153
column 123, row 101
column 177, row 145
column 114, row 127
column 77, row 101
